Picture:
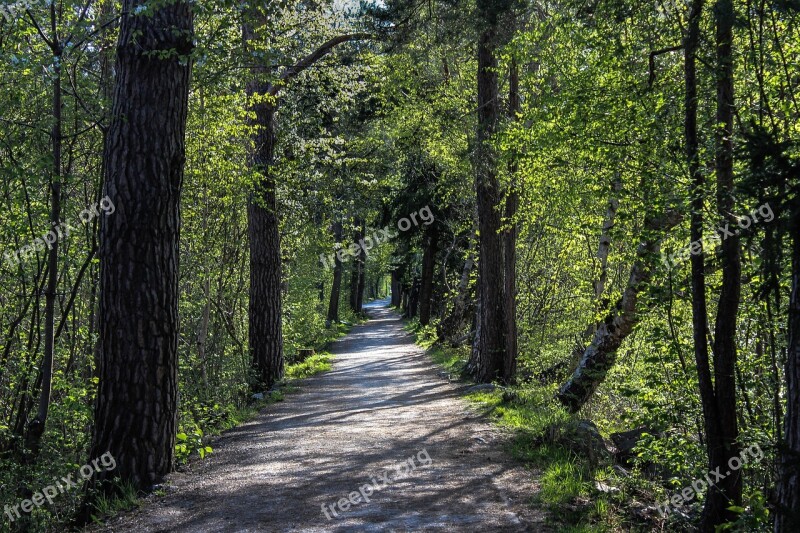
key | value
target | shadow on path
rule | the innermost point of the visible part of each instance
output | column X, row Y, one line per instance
column 382, row 403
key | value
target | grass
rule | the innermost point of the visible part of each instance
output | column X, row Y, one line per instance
column 316, row 364
column 126, row 499
column 567, row 480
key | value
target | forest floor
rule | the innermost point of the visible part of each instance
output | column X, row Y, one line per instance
column 350, row 430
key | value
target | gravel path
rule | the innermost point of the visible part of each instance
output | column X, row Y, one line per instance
column 342, row 440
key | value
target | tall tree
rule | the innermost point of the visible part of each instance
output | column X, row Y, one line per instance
column 136, row 411
column 336, row 287
column 431, row 242
column 37, row 426
column 787, row 516
column 487, row 362
column 510, row 234
column 266, row 299
column 723, row 431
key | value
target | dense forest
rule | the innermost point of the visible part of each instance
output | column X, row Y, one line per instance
column 591, row 205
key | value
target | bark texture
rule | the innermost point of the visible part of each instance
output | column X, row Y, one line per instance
column 788, row 513
column 428, row 270
column 601, row 354
column 136, row 411
column 336, row 287
column 487, row 362
column 266, row 301
column 723, row 430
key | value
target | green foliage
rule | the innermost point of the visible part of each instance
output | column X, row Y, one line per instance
column 315, row 364
column 190, row 443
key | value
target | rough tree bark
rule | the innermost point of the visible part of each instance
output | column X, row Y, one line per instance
column 787, row 519
column 136, row 410
column 266, row 298
column 487, row 362
column 266, row 301
column 428, row 271
column 601, row 354
column 336, row 287
column 510, row 239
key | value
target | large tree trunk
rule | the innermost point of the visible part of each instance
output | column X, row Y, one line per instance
column 725, row 446
column 601, row 354
column 266, row 300
column 336, row 288
column 428, row 271
column 136, row 411
column 787, row 519
column 487, row 362
column 397, row 289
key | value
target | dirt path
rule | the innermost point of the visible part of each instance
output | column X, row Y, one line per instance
column 350, row 429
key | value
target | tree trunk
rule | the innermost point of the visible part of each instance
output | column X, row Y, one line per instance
column 487, row 362
column 601, row 354
column 428, row 271
column 725, row 446
column 787, row 519
column 355, row 275
column 37, row 425
column 362, row 272
column 136, row 411
column 510, row 239
column 397, row 289
column 697, row 197
column 336, row 288
column 266, row 299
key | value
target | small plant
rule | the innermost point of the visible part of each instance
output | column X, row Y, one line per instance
column 125, row 498
column 189, row 443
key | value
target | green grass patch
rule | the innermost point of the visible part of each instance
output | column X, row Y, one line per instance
column 125, row 499
column 567, row 479
column 316, row 364
column 452, row 360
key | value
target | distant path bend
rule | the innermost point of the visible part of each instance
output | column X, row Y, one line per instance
column 383, row 403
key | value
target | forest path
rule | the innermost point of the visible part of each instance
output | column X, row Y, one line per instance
column 383, row 403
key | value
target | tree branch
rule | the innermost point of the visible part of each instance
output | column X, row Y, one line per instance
column 319, row 53
column 652, row 61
